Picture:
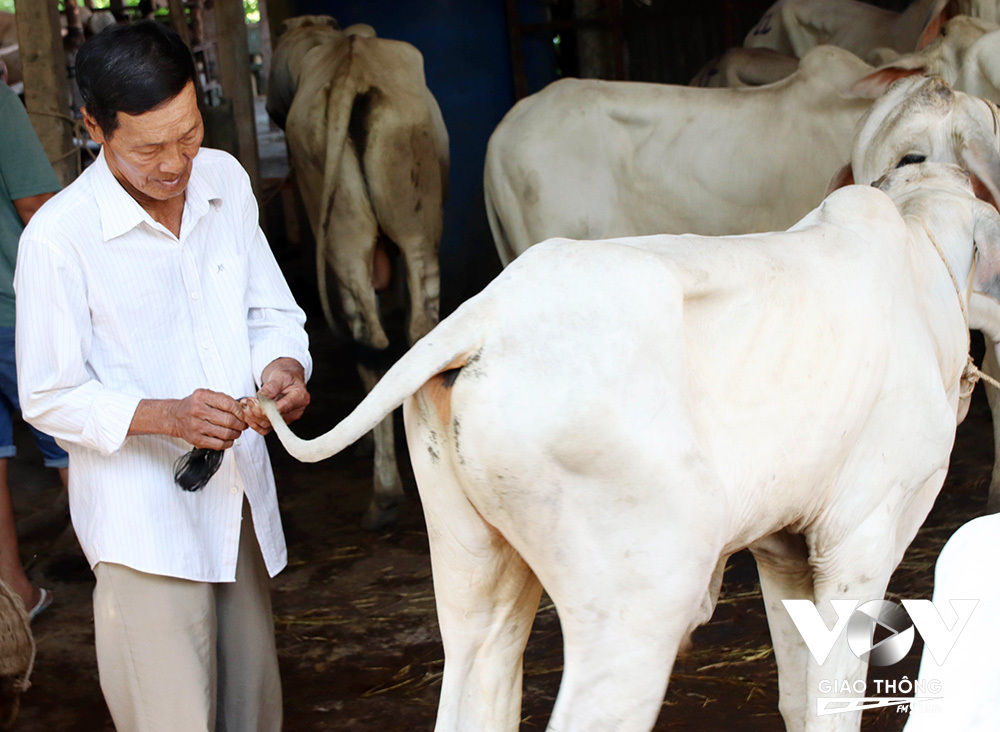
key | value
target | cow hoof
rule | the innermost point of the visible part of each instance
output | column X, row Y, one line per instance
column 377, row 518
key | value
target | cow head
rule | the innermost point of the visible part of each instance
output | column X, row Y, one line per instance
column 922, row 119
column 945, row 198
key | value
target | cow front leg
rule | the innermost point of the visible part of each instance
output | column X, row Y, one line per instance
column 785, row 574
column 860, row 573
column 387, row 486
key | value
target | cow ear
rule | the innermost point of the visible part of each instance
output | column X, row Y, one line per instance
column 843, row 177
column 940, row 12
column 987, row 237
column 872, row 86
column 983, row 163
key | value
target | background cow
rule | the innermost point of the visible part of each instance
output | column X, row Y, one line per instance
column 796, row 26
column 591, row 424
column 961, row 38
column 370, row 155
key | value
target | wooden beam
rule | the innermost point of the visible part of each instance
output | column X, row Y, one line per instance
column 234, row 75
column 46, row 89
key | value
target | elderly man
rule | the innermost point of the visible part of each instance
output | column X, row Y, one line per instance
column 148, row 305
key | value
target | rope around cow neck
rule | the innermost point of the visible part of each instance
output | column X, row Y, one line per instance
column 971, row 373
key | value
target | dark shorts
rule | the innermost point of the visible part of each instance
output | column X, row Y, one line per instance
column 55, row 456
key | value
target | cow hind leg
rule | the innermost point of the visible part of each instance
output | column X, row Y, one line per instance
column 423, row 278
column 387, row 486
column 349, row 246
column 486, row 596
column 407, row 193
column 621, row 635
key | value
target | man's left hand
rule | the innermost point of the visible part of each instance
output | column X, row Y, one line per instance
column 285, row 383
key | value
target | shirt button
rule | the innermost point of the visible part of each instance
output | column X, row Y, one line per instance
column 204, row 346
column 194, row 295
column 236, row 441
column 234, row 490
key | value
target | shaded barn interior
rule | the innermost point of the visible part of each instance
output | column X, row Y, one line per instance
column 357, row 634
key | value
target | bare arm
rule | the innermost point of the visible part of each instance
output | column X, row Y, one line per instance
column 27, row 206
column 205, row 419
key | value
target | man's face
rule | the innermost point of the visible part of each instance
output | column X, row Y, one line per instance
column 151, row 153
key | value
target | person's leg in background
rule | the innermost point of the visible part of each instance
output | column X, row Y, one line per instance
column 11, row 570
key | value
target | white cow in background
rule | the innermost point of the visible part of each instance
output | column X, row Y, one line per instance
column 369, row 151
column 985, row 9
column 795, row 26
column 592, row 159
column 961, row 39
column 591, row 424
column 739, row 67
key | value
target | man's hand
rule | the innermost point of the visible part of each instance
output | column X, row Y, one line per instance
column 285, row 383
column 207, row 419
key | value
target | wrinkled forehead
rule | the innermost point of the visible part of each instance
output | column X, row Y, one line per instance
column 927, row 177
column 908, row 104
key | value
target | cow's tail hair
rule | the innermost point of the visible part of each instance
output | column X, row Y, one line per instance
column 449, row 346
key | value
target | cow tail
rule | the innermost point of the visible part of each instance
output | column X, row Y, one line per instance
column 338, row 116
column 451, row 345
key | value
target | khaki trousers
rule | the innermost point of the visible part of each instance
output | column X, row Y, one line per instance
column 182, row 656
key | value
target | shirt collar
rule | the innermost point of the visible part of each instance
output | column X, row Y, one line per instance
column 120, row 213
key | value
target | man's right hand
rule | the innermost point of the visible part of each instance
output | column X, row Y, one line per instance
column 206, row 419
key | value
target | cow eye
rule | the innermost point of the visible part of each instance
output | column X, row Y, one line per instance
column 911, row 159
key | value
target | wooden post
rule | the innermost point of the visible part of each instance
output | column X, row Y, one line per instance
column 234, row 75
column 178, row 21
column 46, row 89
column 265, row 43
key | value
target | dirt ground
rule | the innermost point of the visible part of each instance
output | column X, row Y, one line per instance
column 357, row 635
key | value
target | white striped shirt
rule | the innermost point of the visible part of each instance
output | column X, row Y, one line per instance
column 113, row 308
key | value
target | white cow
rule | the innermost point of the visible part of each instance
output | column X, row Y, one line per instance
column 795, row 26
column 985, row 9
column 929, row 135
column 610, row 420
column 961, row 38
column 740, row 66
column 589, row 159
column 592, row 159
column 370, row 154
